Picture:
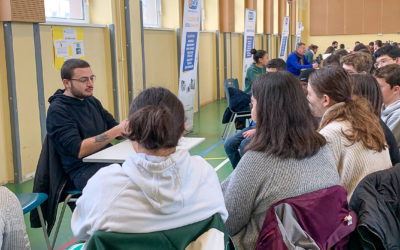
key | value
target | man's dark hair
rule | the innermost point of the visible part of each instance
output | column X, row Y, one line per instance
column 334, row 42
column 340, row 52
column 371, row 44
column 277, row 63
column 68, row 67
column 275, row 133
column 362, row 62
column 298, row 45
column 361, row 47
column 378, row 43
column 329, row 50
column 156, row 119
column 332, row 60
column 313, row 47
column 389, row 50
column 391, row 74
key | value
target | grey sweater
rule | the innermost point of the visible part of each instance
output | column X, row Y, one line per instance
column 260, row 180
column 12, row 226
column 391, row 116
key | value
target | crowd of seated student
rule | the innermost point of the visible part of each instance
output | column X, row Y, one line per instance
column 350, row 142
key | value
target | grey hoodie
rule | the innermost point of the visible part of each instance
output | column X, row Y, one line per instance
column 391, row 116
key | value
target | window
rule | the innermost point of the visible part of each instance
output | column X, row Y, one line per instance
column 151, row 13
column 67, row 11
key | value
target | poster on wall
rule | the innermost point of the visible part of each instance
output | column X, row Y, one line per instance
column 189, row 58
column 248, row 45
column 68, row 43
column 285, row 37
column 298, row 33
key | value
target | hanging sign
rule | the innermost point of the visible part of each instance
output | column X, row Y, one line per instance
column 285, row 37
column 248, row 42
column 189, row 58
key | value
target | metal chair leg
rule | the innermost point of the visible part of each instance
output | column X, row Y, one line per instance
column 67, row 199
column 46, row 237
column 224, row 134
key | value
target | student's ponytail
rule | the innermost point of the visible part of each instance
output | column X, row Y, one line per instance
column 156, row 119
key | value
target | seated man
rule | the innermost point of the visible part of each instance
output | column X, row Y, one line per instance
column 296, row 61
column 359, row 62
column 77, row 123
column 388, row 78
column 386, row 55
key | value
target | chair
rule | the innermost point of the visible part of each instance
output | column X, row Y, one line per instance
column 233, row 83
column 71, row 197
column 31, row 201
column 206, row 234
column 51, row 179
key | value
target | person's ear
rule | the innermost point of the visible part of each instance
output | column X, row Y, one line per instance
column 327, row 101
column 396, row 89
column 67, row 83
column 184, row 129
column 397, row 60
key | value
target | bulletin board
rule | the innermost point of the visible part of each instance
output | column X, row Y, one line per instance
column 67, row 43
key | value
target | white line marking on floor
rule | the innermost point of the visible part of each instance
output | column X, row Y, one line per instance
column 221, row 164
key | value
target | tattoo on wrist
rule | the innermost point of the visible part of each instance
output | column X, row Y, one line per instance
column 101, row 138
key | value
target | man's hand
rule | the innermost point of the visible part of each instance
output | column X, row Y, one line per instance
column 315, row 65
column 96, row 143
column 249, row 133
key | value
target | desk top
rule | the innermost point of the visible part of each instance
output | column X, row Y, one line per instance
column 119, row 152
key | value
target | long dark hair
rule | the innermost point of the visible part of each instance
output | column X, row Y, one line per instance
column 336, row 83
column 365, row 85
column 156, row 119
column 285, row 126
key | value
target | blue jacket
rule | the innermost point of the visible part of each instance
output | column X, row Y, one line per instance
column 293, row 65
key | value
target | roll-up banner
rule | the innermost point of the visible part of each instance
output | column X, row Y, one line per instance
column 284, row 40
column 248, row 41
column 298, row 33
column 189, row 58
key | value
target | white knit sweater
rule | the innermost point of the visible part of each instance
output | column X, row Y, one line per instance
column 353, row 161
column 12, row 226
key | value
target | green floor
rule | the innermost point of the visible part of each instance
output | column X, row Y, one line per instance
column 207, row 123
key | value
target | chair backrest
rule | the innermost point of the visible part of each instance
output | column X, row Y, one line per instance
column 179, row 238
column 230, row 83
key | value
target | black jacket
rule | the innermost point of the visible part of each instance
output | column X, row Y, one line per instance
column 70, row 121
column 51, row 179
column 376, row 200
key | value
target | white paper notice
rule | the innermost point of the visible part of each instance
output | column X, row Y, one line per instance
column 61, row 48
column 70, row 34
column 77, row 49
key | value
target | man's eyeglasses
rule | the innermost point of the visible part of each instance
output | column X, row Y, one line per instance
column 383, row 61
column 85, row 79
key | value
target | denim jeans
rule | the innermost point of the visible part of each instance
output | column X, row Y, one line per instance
column 234, row 146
